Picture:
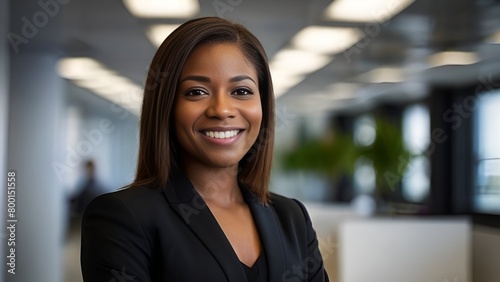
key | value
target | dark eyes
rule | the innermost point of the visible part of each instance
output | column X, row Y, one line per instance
column 242, row 92
column 195, row 92
column 237, row 92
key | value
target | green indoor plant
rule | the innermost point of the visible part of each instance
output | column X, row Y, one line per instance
column 337, row 153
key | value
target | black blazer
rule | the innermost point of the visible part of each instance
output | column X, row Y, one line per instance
column 169, row 234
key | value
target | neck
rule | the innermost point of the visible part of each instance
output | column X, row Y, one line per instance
column 215, row 185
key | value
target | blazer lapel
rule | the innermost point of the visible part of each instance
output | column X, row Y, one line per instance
column 195, row 213
column 270, row 235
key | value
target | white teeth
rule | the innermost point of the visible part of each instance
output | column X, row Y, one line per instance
column 221, row 134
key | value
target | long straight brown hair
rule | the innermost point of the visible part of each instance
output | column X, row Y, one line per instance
column 158, row 147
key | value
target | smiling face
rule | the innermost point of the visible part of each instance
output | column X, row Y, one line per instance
column 217, row 110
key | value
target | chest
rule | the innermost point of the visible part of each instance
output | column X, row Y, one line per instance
column 194, row 246
column 241, row 232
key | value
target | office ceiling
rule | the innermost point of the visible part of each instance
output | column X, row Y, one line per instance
column 106, row 31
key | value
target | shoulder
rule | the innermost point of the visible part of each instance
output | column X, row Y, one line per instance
column 282, row 204
column 132, row 197
column 291, row 213
column 127, row 213
column 135, row 202
column 118, row 231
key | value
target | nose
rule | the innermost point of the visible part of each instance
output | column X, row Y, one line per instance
column 221, row 106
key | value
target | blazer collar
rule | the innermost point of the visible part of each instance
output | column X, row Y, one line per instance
column 270, row 235
column 186, row 201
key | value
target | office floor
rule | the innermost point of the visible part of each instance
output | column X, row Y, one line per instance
column 71, row 259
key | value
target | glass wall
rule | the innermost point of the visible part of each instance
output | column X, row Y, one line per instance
column 487, row 186
column 416, row 135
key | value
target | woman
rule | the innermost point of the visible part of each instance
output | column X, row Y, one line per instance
column 199, row 208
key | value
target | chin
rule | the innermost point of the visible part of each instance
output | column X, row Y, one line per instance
column 224, row 164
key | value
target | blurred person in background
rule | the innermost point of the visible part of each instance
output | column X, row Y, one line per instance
column 89, row 189
column 199, row 208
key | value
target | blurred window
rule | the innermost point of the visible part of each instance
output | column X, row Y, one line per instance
column 364, row 173
column 416, row 135
column 487, row 182
column 364, row 131
column 364, row 176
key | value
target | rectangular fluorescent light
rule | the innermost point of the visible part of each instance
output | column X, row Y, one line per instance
column 296, row 61
column 163, row 8
column 79, row 68
column 310, row 49
column 95, row 77
column 383, row 75
column 365, row 11
column 283, row 81
column 325, row 40
column 452, row 58
column 157, row 33
column 290, row 66
column 342, row 90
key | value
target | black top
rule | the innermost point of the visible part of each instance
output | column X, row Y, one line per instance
column 258, row 272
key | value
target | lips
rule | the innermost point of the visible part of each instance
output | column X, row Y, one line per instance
column 221, row 134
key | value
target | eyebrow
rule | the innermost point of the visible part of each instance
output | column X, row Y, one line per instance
column 200, row 78
column 241, row 78
column 196, row 78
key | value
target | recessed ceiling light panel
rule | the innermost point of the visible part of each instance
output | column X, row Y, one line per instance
column 325, row 40
column 365, row 11
column 452, row 58
column 157, row 33
column 162, row 8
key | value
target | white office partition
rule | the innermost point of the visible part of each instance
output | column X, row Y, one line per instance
column 405, row 250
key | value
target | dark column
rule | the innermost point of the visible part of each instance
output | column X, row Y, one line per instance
column 440, row 151
column 452, row 163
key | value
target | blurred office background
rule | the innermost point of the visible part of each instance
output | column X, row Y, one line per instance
column 387, row 116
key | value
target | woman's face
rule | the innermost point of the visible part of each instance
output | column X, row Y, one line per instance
column 217, row 110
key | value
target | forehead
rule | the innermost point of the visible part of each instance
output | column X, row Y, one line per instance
column 218, row 59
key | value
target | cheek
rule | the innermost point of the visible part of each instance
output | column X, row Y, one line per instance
column 254, row 116
column 181, row 125
column 259, row 113
column 184, row 117
column 258, row 117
